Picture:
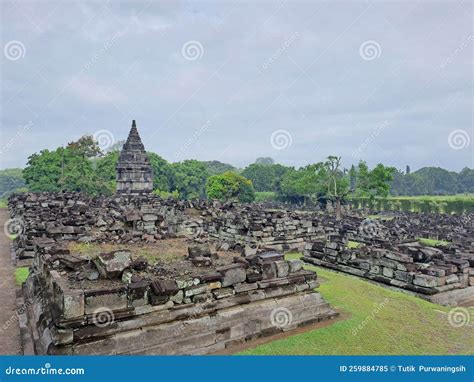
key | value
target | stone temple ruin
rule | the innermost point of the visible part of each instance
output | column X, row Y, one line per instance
column 137, row 274
column 134, row 172
column 118, row 303
column 232, row 285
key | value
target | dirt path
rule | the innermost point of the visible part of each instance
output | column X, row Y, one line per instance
column 9, row 329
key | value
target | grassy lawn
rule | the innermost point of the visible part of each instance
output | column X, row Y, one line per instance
column 21, row 275
column 437, row 198
column 432, row 242
column 382, row 322
column 353, row 244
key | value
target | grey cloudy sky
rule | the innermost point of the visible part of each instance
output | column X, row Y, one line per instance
column 233, row 80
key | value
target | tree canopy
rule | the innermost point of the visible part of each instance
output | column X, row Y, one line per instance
column 265, row 177
column 230, row 186
column 432, row 181
column 81, row 166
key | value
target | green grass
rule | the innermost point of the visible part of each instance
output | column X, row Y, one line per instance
column 353, row 244
column 437, row 198
column 403, row 324
column 432, row 242
column 21, row 274
column 380, row 217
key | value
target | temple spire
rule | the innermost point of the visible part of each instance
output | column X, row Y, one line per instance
column 134, row 172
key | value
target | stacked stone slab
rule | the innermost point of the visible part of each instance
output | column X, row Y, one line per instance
column 431, row 273
column 173, row 314
column 134, row 172
column 56, row 217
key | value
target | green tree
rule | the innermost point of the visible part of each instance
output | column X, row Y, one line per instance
column 11, row 180
column 375, row 182
column 70, row 168
column 352, row 178
column 162, row 172
column 189, row 179
column 337, row 185
column 264, row 161
column 43, row 171
column 303, row 184
column 380, row 176
column 215, row 167
column 105, row 169
column 265, row 177
column 230, row 186
column 466, row 180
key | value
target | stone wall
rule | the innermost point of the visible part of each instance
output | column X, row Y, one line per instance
column 425, row 270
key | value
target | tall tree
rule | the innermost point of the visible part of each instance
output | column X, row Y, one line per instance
column 306, row 183
column 230, row 186
column 189, row 179
column 337, row 185
column 375, row 182
column 265, row 177
column 352, row 178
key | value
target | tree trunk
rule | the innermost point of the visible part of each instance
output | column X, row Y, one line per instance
column 338, row 209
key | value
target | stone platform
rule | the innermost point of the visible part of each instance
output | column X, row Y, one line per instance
column 229, row 305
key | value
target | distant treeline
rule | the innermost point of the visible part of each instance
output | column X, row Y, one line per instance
column 432, row 181
column 81, row 166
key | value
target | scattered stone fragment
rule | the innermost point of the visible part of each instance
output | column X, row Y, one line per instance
column 111, row 265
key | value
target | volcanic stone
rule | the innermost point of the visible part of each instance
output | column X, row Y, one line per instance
column 111, row 265
column 232, row 274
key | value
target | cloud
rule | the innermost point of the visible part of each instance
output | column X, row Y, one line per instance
column 91, row 91
column 265, row 66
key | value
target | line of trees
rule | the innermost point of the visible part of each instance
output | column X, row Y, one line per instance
column 432, row 181
column 81, row 166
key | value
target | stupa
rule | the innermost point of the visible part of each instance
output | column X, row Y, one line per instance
column 134, row 172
